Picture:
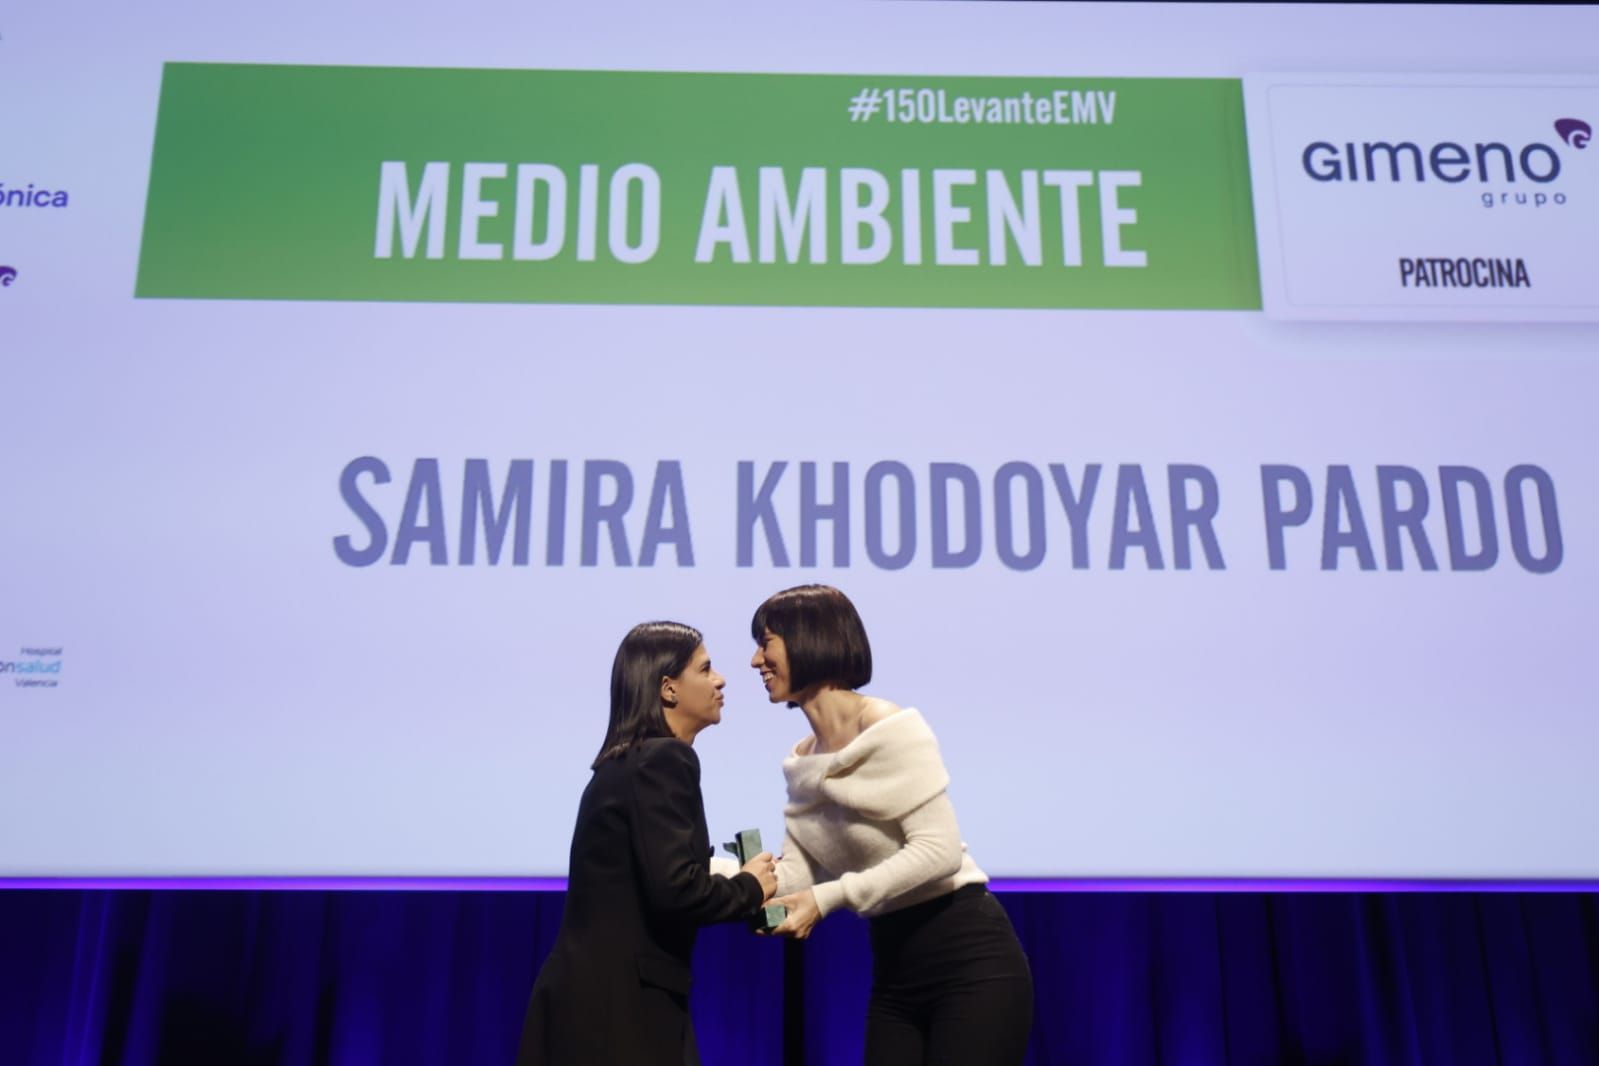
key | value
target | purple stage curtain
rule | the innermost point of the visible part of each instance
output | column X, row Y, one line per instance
column 249, row 978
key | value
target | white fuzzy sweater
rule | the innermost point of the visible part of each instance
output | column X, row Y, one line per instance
column 870, row 826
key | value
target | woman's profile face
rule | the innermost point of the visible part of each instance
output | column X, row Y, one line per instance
column 695, row 695
column 771, row 659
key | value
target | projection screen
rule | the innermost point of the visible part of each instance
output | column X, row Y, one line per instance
column 1196, row 401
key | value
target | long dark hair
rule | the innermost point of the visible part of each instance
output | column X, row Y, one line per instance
column 650, row 652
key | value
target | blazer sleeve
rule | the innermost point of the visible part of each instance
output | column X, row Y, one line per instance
column 666, row 810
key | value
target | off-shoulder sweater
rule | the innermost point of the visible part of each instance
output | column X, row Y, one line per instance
column 870, row 826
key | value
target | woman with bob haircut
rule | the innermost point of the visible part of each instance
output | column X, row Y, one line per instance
column 870, row 827
column 615, row 986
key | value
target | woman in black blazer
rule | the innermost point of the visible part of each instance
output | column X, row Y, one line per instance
column 614, row 990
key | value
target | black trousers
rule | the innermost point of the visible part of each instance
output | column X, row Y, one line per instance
column 950, row 985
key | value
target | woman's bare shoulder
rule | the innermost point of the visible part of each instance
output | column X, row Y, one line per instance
column 876, row 710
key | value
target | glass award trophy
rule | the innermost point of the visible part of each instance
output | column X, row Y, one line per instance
column 744, row 846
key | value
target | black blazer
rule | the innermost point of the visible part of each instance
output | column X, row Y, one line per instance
column 614, row 990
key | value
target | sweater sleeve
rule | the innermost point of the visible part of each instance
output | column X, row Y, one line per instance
column 665, row 807
column 932, row 850
column 796, row 869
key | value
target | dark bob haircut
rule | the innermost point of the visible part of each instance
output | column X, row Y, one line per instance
column 650, row 653
column 823, row 633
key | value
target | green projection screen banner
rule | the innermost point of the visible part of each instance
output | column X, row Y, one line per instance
column 541, row 186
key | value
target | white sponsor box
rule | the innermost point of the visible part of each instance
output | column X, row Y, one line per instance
column 1426, row 198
